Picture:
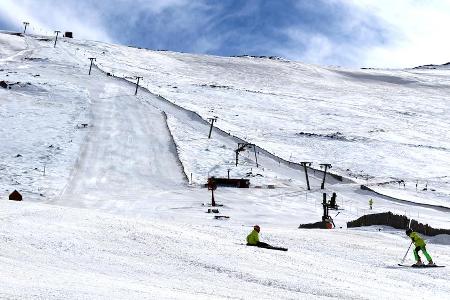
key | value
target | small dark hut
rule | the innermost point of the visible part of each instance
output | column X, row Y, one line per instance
column 15, row 196
column 229, row 182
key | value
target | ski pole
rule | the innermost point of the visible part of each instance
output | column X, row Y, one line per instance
column 403, row 260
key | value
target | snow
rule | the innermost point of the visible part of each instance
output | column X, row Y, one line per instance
column 127, row 140
column 116, row 214
column 382, row 125
column 88, row 254
column 10, row 45
column 38, row 126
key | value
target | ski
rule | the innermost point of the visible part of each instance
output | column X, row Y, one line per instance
column 270, row 248
column 278, row 248
column 421, row 266
column 274, row 248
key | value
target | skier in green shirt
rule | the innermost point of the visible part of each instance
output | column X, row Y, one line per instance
column 253, row 237
column 253, row 240
column 420, row 245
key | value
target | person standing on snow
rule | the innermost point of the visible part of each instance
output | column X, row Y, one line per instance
column 333, row 201
column 370, row 203
column 420, row 245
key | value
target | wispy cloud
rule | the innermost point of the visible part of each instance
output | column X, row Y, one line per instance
column 333, row 32
column 380, row 33
column 88, row 19
column 46, row 16
column 419, row 32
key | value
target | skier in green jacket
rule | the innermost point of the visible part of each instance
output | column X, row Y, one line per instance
column 253, row 240
column 420, row 245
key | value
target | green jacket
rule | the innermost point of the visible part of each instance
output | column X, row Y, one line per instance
column 418, row 241
column 253, row 238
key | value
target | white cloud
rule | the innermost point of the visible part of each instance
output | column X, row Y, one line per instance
column 155, row 6
column 416, row 30
column 375, row 33
column 87, row 19
column 345, row 42
column 46, row 16
column 420, row 28
column 318, row 50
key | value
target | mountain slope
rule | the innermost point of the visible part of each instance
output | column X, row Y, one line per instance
column 375, row 125
column 112, row 216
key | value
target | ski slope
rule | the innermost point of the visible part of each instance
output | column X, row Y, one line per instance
column 89, row 254
column 129, row 154
column 375, row 126
column 115, row 214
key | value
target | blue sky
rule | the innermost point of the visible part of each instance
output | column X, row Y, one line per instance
column 350, row 33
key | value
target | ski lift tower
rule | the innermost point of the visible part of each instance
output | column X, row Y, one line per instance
column 326, row 167
column 241, row 147
column 212, row 120
column 57, row 32
column 305, row 165
column 26, row 25
column 137, row 84
column 92, row 59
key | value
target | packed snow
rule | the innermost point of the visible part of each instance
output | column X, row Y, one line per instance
column 375, row 126
column 113, row 184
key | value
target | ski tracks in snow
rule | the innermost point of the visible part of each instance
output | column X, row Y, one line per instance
column 129, row 153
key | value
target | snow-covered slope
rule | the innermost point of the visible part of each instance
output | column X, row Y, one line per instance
column 60, row 253
column 113, row 216
column 376, row 126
